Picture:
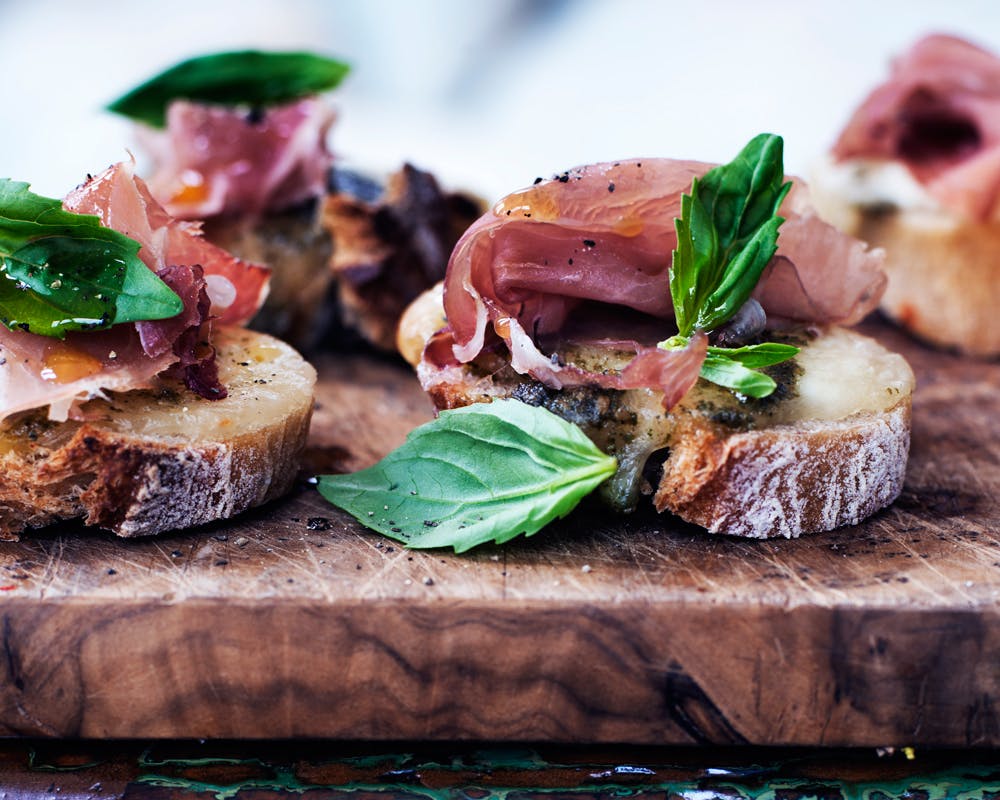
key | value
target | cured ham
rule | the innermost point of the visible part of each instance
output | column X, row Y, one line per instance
column 604, row 234
column 123, row 201
column 216, row 160
column 939, row 115
column 37, row 371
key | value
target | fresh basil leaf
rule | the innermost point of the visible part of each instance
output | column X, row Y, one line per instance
column 246, row 77
column 144, row 296
column 726, row 235
column 486, row 472
column 733, row 375
column 740, row 277
column 61, row 271
column 756, row 355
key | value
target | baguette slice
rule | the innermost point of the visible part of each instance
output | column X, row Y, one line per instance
column 159, row 459
column 829, row 448
column 943, row 269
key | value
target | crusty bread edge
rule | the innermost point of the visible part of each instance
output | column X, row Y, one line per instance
column 139, row 485
column 786, row 480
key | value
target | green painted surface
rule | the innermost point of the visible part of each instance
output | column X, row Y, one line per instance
column 400, row 775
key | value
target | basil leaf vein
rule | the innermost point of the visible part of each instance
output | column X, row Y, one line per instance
column 485, row 472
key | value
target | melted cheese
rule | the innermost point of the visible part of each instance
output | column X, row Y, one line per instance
column 841, row 191
column 843, row 373
column 265, row 379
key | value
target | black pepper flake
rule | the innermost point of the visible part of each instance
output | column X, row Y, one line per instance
column 112, row 572
column 527, row 213
column 318, row 524
column 564, row 178
column 221, row 562
column 611, row 186
column 589, row 243
column 537, row 181
column 394, row 530
column 571, row 261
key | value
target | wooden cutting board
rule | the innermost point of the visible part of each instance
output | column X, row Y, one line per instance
column 294, row 621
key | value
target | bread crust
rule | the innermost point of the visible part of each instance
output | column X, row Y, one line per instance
column 791, row 479
column 138, row 485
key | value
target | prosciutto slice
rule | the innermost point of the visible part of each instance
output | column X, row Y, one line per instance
column 213, row 160
column 605, row 233
column 123, row 201
column 939, row 115
column 38, row 371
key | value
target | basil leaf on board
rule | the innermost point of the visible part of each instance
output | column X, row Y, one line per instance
column 483, row 473
column 726, row 235
column 61, row 271
column 247, row 77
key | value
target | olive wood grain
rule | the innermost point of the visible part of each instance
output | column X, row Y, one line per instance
column 293, row 621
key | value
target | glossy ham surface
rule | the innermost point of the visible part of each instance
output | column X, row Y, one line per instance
column 123, row 201
column 939, row 115
column 603, row 235
column 215, row 160
column 38, row 371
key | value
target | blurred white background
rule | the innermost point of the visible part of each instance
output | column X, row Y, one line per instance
column 487, row 93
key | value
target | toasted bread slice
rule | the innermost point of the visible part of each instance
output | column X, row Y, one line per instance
column 944, row 270
column 828, row 448
column 148, row 461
